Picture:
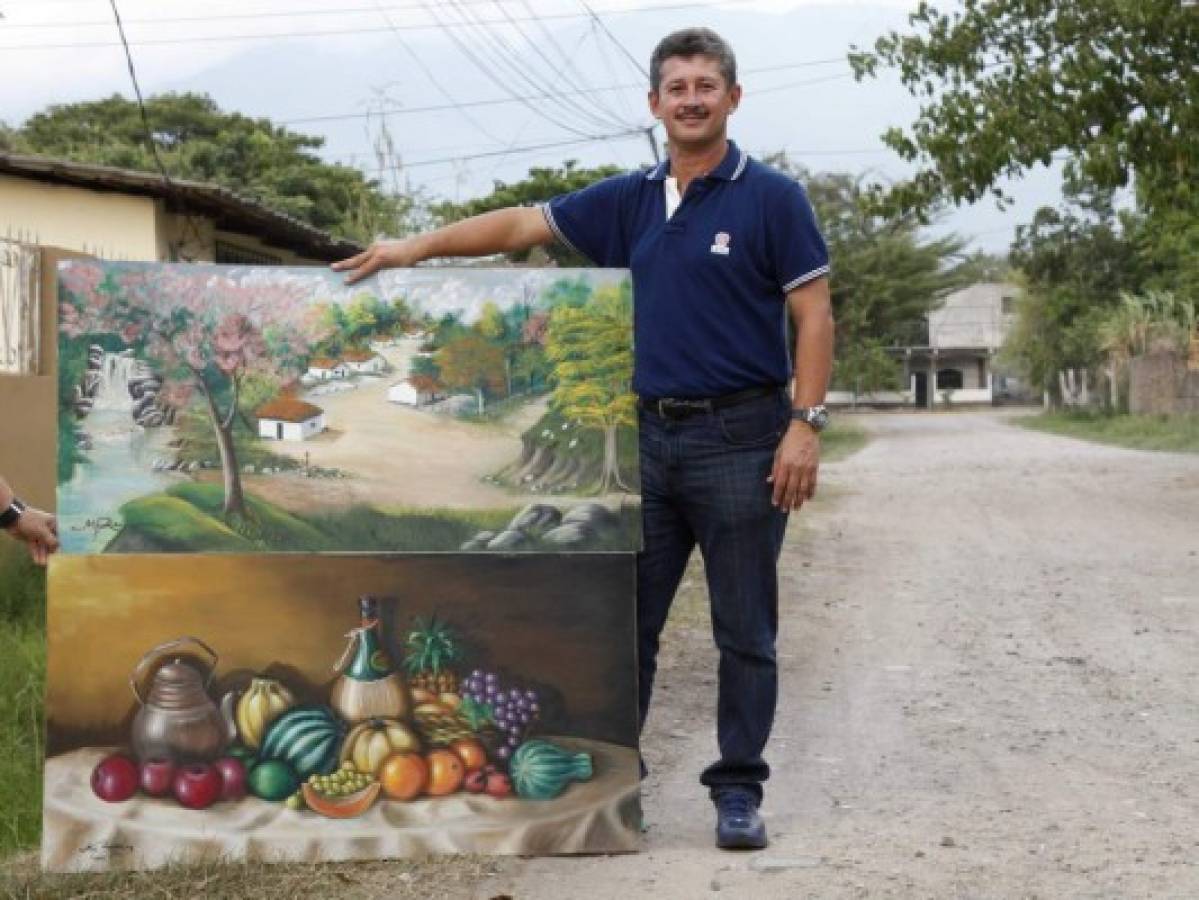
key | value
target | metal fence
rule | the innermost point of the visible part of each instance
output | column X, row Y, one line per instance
column 20, row 305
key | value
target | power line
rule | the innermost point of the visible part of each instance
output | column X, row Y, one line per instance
column 137, row 91
column 514, row 150
column 497, row 101
column 336, row 32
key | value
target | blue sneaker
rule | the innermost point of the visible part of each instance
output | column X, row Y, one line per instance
column 738, row 824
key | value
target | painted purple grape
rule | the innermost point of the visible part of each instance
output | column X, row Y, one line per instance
column 531, row 696
column 513, row 741
column 524, row 718
column 503, row 752
column 534, row 708
column 491, row 678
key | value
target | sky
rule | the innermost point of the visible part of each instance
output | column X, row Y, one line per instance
column 516, row 83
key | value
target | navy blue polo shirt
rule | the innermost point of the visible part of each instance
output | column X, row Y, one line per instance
column 710, row 283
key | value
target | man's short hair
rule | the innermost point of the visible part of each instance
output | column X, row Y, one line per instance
column 693, row 42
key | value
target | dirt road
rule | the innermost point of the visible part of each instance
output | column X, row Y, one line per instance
column 989, row 685
column 400, row 456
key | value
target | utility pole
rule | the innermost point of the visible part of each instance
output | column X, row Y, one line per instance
column 653, row 144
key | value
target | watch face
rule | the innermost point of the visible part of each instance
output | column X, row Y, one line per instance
column 819, row 417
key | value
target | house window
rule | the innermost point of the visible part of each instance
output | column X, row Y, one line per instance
column 234, row 255
column 949, row 379
column 1008, row 304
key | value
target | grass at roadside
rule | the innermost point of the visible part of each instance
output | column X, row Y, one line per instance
column 1179, row 434
column 22, row 676
column 841, row 439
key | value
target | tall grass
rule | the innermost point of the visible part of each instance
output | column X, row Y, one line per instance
column 22, row 679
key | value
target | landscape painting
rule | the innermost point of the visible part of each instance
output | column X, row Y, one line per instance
column 303, row 708
column 233, row 409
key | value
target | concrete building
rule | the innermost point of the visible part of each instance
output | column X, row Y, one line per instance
column 363, row 362
column 957, row 364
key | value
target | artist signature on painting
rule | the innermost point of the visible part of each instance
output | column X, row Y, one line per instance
column 101, row 523
column 104, row 851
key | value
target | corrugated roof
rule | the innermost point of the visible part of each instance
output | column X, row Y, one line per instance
column 229, row 210
column 288, row 409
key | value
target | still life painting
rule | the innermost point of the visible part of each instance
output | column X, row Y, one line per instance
column 308, row 708
column 235, row 409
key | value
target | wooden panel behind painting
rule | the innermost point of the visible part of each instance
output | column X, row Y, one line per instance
column 562, row 624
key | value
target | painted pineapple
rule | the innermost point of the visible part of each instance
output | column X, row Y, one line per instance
column 429, row 648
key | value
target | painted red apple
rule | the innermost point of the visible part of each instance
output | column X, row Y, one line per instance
column 115, row 778
column 158, row 777
column 475, row 781
column 499, row 785
column 197, row 786
column 233, row 777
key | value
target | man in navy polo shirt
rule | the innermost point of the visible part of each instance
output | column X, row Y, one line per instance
column 721, row 249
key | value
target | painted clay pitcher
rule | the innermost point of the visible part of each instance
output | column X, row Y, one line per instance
column 178, row 720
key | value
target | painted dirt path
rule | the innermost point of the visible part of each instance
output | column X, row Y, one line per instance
column 399, row 456
column 989, row 685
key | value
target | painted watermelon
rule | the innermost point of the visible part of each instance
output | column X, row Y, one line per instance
column 307, row 738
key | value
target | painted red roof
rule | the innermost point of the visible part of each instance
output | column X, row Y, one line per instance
column 288, row 409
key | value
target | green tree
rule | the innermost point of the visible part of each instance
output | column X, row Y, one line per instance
column 197, row 140
column 886, row 276
column 1075, row 263
column 542, row 184
column 591, row 351
column 1006, row 84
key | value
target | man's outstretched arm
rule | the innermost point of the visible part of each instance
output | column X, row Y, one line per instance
column 501, row 231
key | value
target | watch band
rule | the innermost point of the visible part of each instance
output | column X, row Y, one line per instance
column 9, row 517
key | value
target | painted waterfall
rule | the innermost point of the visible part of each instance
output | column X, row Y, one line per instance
column 247, row 409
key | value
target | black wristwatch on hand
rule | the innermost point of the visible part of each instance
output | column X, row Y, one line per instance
column 9, row 517
column 816, row 416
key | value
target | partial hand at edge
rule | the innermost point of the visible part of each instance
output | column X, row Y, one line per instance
column 380, row 255
column 39, row 531
column 796, row 462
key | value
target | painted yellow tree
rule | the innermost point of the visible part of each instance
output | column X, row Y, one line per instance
column 591, row 350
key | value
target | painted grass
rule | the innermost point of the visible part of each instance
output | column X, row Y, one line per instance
column 188, row 517
column 1178, row 434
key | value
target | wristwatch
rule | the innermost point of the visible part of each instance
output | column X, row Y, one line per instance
column 816, row 416
column 9, row 517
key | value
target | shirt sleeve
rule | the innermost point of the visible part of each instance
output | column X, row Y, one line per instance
column 591, row 222
column 797, row 247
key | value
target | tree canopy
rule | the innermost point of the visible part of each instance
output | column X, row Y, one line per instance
column 542, row 184
column 197, row 140
column 1005, row 84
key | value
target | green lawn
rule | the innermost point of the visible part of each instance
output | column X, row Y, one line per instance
column 1179, row 434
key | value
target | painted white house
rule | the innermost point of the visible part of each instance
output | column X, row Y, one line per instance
column 363, row 362
column 289, row 419
column 324, row 369
column 417, row 390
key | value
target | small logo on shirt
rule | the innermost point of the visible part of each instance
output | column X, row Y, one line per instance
column 720, row 243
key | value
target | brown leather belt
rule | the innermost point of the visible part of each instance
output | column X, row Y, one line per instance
column 682, row 407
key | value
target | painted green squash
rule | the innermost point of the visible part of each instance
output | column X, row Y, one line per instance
column 541, row 771
column 307, row 738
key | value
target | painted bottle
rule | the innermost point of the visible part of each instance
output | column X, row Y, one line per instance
column 369, row 685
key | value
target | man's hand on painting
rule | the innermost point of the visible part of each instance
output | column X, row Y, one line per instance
column 380, row 255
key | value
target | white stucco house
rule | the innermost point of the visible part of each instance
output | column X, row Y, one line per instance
column 957, row 365
column 363, row 362
column 289, row 419
column 324, row 369
column 416, row 390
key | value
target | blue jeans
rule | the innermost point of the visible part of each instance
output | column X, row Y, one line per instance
column 703, row 481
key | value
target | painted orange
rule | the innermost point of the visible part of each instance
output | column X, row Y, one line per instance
column 471, row 753
column 445, row 773
column 404, row 776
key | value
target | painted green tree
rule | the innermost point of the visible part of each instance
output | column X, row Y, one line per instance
column 590, row 349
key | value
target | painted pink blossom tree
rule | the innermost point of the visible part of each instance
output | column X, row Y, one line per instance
column 203, row 331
